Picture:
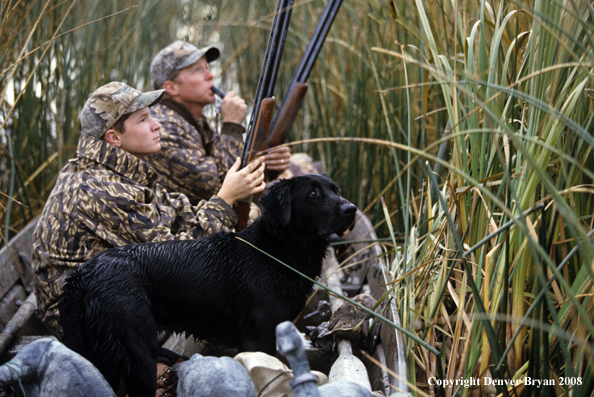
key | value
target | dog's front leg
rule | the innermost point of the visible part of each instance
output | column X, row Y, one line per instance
column 142, row 349
column 260, row 339
column 141, row 380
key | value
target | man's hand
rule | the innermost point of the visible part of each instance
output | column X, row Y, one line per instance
column 278, row 158
column 240, row 184
column 233, row 108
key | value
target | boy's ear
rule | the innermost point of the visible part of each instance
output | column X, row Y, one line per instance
column 170, row 88
column 113, row 138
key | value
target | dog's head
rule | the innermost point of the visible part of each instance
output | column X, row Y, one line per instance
column 311, row 203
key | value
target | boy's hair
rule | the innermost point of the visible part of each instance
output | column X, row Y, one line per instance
column 119, row 125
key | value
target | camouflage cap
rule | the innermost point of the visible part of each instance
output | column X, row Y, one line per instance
column 177, row 56
column 108, row 103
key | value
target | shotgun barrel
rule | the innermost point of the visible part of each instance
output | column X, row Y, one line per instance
column 317, row 41
column 267, row 79
column 259, row 124
column 284, row 118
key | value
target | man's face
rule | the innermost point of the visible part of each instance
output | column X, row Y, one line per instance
column 141, row 136
column 193, row 84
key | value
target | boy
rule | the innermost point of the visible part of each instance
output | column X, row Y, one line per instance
column 108, row 196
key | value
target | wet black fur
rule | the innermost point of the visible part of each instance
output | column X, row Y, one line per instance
column 218, row 288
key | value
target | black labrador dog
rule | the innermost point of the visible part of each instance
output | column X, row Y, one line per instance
column 219, row 288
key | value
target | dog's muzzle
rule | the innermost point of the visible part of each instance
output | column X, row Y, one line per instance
column 347, row 208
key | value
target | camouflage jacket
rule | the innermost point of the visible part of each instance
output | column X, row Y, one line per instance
column 106, row 198
column 193, row 159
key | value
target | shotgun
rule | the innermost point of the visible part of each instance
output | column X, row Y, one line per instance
column 259, row 125
column 292, row 101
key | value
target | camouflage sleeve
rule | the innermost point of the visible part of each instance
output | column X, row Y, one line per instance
column 227, row 146
column 201, row 220
column 109, row 210
column 134, row 214
column 185, row 164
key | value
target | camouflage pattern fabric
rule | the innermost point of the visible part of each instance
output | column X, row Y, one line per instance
column 106, row 198
column 192, row 161
column 108, row 103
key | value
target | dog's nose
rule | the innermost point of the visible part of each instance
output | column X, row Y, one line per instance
column 348, row 208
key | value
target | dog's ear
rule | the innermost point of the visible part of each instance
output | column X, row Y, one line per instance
column 277, row 200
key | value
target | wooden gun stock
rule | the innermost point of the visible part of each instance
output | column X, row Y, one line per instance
column 287, row 115
column 257, row 144
column 242, row 209
column 260, row 132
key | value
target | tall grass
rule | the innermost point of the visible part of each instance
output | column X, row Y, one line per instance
column 54, row 54
column 515, row 80
column 472, row 120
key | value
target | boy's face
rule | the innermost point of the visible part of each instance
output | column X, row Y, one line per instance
column 193, row 84
column 141, row 136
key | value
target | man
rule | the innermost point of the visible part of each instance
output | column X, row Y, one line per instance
column 108, row 196
column 194, row 159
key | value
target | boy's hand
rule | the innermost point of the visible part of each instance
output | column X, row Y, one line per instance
column 240, row 184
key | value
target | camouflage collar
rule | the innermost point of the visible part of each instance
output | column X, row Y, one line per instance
column 200, row 124
column 117, row 160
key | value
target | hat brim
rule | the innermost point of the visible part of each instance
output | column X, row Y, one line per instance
column 211, row 53
column 145, row 99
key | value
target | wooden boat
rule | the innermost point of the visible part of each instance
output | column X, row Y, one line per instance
column 17, row 303
column 367, row 272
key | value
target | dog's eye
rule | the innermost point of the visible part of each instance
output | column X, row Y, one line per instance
column 314, row 193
